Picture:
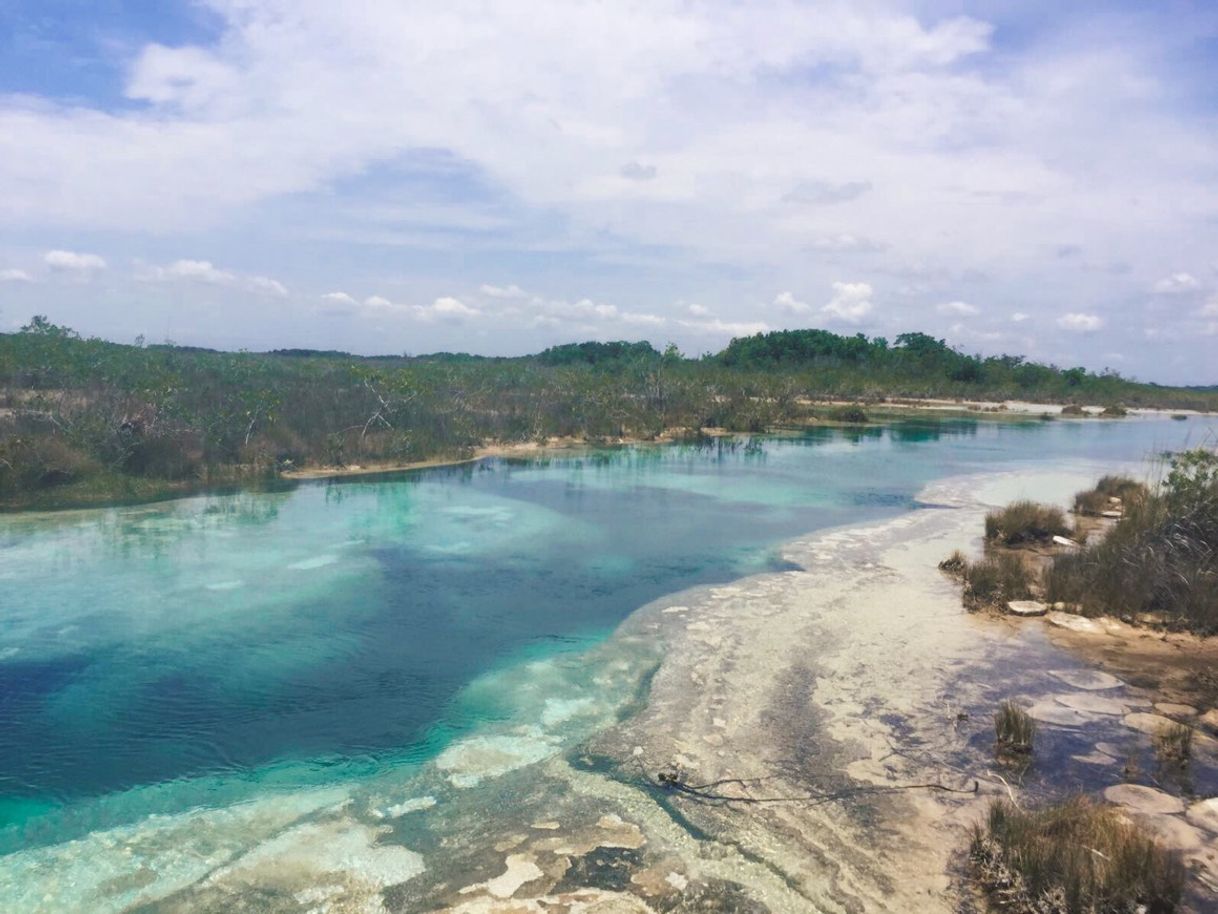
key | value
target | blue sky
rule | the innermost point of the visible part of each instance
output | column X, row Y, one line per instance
column 384, row 176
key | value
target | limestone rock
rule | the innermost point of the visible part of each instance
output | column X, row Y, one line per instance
column 1150, row 724
column 1074, row 623
column 1026, row 608
column 1091, row 680
column 1209, row 720
column 1204, row 814
column 1144, row 800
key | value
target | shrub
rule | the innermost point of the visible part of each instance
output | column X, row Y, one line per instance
column 1014, row 729
column 1161, row 558
column 1174, row 744
column 1025, row 522
column 1093, row 501
column 1073, row 409
column 955, row 564
column 1115, row 411
column 1074, row 857
column 994, row 580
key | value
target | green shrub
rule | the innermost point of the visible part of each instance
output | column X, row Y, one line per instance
column 1074, row 857
column 1115, row 411
column 1073, row 409
column 1161, row 558
column 1025, row 522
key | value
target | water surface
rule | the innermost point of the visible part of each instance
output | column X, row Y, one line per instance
column 202, row 651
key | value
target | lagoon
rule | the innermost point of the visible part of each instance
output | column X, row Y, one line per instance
column 211, row 652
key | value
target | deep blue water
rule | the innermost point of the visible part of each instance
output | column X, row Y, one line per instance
column 337, row 623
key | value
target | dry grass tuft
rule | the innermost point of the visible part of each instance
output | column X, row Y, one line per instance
column 1025, row 522
column 1161, row 558
column 1075, row 857
column 1014, row 729
column 1174, row 744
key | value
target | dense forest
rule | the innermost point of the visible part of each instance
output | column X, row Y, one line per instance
column 86, row 419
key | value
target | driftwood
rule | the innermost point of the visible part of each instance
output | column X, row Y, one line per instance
column 670, row 780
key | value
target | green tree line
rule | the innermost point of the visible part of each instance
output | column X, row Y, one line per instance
column 87, row 418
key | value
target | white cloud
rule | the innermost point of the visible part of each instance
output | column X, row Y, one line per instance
column 447, row 309
column 340, row 298
column 377, row 301
column 71, row 261
column 1177, row 284
column 843, row 241
column 851, row 302
column 960, row 308
column 15, row 275
column 789, row 304
column 725, row 329
column 661, row 129
column 196, row 270
column 1210, row 308
column 1019, row 317
column 512, row 291
column 206, row 272
column 268, row 286
column 1078, row 322
column 698, row 310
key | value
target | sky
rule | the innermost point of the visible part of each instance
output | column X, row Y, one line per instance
column 382, row 176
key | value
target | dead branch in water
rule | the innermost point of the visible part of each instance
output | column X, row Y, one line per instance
column 670, row 780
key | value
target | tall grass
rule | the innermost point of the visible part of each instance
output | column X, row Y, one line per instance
column 1025, row 522
column 1014, row 729
column 1098, row 499
column 1161, row 558
column 1075, row 857
column 990, row 582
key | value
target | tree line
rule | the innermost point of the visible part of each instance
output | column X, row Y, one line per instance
column 83, row 419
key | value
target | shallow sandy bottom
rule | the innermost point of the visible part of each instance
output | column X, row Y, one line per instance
column 826, row 691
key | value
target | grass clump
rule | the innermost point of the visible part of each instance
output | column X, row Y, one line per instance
column 1074, row 857
column 1160, row 559
column 990, row 582
column 1115, row 411
column 1174, row 744
column 1025, row 522
column 1014, row 729
column 1093, row 501
column 1073, row 409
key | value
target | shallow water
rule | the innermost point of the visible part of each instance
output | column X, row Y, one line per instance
column 220, row 649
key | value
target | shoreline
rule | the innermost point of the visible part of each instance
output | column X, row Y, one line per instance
column 141, row 491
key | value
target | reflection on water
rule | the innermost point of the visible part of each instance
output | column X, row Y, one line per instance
column 299, row 636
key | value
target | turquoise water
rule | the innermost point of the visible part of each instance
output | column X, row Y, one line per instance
column 203, row 651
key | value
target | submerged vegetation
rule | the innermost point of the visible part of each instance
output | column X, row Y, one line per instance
column 84, row 418
column 1074, row 857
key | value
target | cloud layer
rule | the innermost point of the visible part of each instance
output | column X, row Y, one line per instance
column 877, row 166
